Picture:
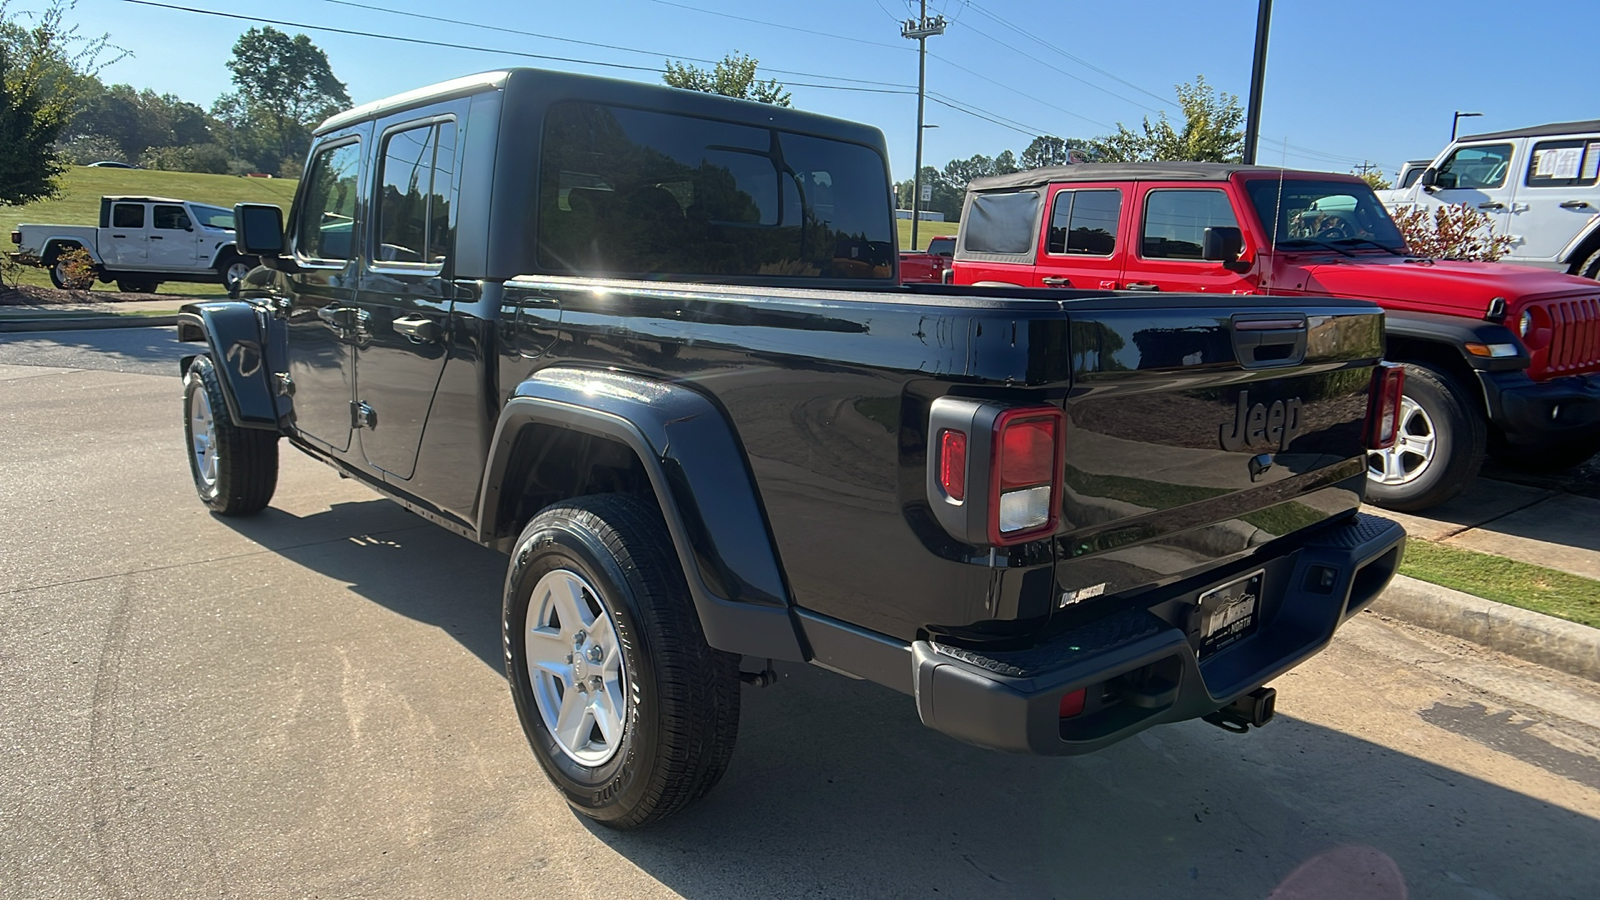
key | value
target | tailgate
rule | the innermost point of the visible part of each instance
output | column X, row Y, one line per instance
column 1201, row 428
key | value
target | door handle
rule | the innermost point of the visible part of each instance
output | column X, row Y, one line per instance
column 1056, row 281
column 1575, row 204
column 1492, row 204
column 157, row 237
column 1141, row 286
column 337, row 316
column 418, row 329
column 119, row 236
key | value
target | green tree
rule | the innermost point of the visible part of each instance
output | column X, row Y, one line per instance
column 734, row 76
column 947, row 197
column 1006, row 163
column 285, row 86
column 45, row 68
column 1045, row 150
column 1373, row 177
column 1211, row 131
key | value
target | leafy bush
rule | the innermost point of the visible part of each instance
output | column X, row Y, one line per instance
column 80, row 272
column 205, row 158
column 11, row 268
column 1456, row 231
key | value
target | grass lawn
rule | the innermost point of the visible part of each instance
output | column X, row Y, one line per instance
column 82, row 187
column 926, row 231
column 1505, row 581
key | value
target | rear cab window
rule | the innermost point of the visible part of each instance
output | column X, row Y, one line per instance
column 638, row 192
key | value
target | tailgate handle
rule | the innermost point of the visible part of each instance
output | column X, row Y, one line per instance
column 1269, row 341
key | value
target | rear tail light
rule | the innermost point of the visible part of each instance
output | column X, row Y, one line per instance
column 953, row 463
column 1383, row 406
column 1025, row 473
column 995, row 473
column 16, row 238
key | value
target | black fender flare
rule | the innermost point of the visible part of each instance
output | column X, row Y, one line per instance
column 238, row 334
column 1457, row 332
column 702, row 483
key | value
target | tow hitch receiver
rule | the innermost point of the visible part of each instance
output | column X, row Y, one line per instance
column 1254, row 708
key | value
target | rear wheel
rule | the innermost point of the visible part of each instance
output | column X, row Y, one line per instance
column 1439, row 448
column 235, row 469
column 628, row 710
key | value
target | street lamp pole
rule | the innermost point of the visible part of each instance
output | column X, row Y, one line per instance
column 919, row 30
column 1456, row 120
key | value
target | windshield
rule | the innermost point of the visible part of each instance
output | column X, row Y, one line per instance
column 213, row 216
column 1309, row 213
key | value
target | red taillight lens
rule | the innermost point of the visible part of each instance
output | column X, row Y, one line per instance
column 953, row 464
column 1072, row 704
column 1383, row 406
column 1025, row 485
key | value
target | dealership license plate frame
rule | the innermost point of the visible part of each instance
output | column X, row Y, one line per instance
column 1230, row 612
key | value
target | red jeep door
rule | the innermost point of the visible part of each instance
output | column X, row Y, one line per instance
column 1172, row 224
column 1080, row 247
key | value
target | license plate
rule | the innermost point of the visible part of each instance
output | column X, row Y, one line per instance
column 1229, row 613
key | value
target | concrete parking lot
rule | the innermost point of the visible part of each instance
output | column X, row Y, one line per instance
column 311, row 703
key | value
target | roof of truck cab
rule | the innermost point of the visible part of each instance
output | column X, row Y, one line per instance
column 1159, row 171
column 523, row 86
column 1554, row 128
column 125, row 198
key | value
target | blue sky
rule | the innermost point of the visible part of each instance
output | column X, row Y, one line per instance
column 1346, row 82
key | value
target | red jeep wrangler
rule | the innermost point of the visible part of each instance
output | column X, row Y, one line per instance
column 927, row 266
column 1500, row 359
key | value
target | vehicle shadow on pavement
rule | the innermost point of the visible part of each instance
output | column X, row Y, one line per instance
column 398, row 561
column 838, row 790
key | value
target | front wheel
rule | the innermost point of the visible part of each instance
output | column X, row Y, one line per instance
column 1438, row 450
column 628, row 710
column 235, row 469
column 232, row 270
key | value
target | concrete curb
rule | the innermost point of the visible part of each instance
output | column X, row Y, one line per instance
column 1535, row 637
column 81, row 323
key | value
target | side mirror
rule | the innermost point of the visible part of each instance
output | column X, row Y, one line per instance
column 258, row 230
column 1430, row 177
column 1221, row 243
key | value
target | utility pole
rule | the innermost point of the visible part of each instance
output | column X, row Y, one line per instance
column 1366, row 167
column 919, row 30
column 1258, row 73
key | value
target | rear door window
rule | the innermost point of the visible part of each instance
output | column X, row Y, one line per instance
column 413, row 195
column 1175, row 221
column 127, row 215
column 1567, row 163
column 1085, row 222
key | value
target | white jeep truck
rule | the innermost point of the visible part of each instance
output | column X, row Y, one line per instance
column 142, row 242
column 1539, row 185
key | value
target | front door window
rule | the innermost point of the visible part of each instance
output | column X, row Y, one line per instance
column 328, row 213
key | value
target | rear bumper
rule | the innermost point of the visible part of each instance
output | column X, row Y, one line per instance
column 1139, row 666
column 1533, row 414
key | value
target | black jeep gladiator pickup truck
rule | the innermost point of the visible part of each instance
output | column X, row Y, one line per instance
column 652, row 344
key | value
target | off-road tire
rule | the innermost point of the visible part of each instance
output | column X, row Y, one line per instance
column 1590, row 268
column 226, row 263
column 1461, row 435
column 246, row 459
column 682, row 697
column 57, row 276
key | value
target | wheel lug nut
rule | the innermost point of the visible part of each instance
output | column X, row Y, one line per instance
column 597, row 682
column 596, row 654
column 579, row 638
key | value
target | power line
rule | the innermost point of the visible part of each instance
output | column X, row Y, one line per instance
column 1062, row 71
column 1020, row 93
column 479, row 49
column 838, row 37
column 1054, row 49
column 661, row 55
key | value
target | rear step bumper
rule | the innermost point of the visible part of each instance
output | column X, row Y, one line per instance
column 1137, row 669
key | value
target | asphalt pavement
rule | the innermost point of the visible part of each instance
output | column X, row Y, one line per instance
column 311, row 702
